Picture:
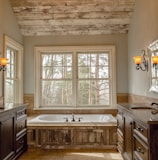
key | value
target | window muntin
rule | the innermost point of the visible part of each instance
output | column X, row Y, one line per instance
column 93, row 92
column 89, row 82
column 93, row 78
column 56, row 82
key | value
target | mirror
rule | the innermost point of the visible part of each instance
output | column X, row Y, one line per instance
column 153, row 51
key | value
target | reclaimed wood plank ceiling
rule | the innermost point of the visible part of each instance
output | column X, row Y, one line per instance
column 72, row 17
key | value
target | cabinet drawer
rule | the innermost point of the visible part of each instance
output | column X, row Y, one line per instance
column 21, row 143
column 120, row 143
column 120, row 122
column 21, row 114
column 141, row 130
column 20, row 126
column 140, row 149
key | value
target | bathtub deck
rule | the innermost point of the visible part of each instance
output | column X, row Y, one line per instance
column 34, row 154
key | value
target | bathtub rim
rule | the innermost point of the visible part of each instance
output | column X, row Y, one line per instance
column 66, row 124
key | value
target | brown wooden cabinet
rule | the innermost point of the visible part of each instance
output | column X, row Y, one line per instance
column 13, row 140
column 128, row 138
column 7, row 150
column 124, row 134
column 137, row 133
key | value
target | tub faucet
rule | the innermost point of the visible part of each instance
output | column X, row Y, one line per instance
column 73, row 118
column 66, row 119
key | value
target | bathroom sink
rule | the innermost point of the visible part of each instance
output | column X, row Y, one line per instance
column 142, row 108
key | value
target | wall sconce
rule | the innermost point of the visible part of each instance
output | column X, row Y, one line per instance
column 3, row 63
column 141, row 62
column 155, row 61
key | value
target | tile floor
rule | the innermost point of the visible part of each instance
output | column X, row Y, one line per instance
column 32, row 154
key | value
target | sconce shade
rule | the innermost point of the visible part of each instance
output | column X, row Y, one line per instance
column 155, row 59
column 137, row 60
column 3, row 61
column 141, row 61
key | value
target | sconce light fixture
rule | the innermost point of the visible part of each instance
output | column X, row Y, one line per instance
column 155, row 61
column 3, row 63
column 141, row 62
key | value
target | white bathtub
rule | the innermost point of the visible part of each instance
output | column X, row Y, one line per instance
column 67, row 120
column 58, row 131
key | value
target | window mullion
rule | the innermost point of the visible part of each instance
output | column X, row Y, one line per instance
column 74, row 79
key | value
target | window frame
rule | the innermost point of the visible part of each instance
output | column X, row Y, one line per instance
column 74, row 49
column 12, row 44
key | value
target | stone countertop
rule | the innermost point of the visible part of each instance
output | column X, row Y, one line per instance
column 10, row 106
column 141, row 111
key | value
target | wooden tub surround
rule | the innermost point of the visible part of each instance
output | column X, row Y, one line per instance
column 73, row 135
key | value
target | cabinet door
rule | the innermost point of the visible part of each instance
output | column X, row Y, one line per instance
column 7, row 138
column 153, row 135
column 128, row 137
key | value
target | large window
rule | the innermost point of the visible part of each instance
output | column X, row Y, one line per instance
column 13, row 79
column 75, row 77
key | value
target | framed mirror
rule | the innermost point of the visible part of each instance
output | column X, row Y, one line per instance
column 153, row 61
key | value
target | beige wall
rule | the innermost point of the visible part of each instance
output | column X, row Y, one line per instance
column 8, row 26
column 143, row 30
column 121, row 56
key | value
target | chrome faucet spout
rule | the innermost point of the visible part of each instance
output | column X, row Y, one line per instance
column 73, row 118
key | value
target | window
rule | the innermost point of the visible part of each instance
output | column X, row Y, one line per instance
column 13, row 82
column 75, row 77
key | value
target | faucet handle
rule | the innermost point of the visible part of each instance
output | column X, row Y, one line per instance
column 66, row 119
column 79, row 119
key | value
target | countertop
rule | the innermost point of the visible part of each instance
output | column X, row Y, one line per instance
column 141, row 111
column 10, row 106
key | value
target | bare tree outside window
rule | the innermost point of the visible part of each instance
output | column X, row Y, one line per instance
column 56, row 79
column 75, row 76
column 93, row 83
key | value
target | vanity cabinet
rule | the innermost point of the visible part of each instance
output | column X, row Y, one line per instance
column 137, row 134
column 7, row 137
column 124, row 134
column 140, row 141
column 128, row 138
column 13, row 140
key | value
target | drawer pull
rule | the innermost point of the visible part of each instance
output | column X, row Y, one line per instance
column 140, row 129
column 21, row 142
column 140, row 150
column 20, row 127
column 119, row 143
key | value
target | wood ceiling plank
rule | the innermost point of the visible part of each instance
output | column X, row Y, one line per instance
column 85, row 17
